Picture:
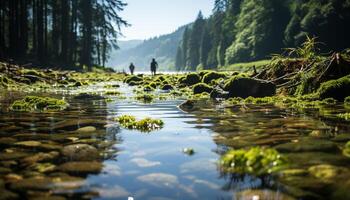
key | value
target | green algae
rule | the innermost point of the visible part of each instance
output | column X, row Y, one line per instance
column 143, row 125
column 34, row 103
column 255, row 161
column 338, row 89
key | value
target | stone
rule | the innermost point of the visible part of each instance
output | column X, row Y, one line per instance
column 80, row 152
column 245, row 87
column 28, row 144
column 7, row 195
column 81, row 168
column 262, row 194
column 305, row 145
column 86, row 129
column 326, row 172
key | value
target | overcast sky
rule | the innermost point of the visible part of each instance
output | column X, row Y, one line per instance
column 151, row 18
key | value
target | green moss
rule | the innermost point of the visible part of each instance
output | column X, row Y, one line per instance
column 190, row 79
column 338, row 89
column 113, row 93
column 347, row 100
column 111, row 86
column 255, row 161
column 145, row 97
column 211, row 76
column 328, row 101
column 133, row 79
column 345, row 116
column 34, row 103
column 201, row 87
column 346, row 150
column 144, row 125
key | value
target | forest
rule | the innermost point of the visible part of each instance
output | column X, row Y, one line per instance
column 249, row 30
column 60, row 33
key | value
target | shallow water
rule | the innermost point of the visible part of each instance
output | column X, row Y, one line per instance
column 154, row 166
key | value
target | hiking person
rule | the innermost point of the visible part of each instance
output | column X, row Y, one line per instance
column 154, row 66
column 132, row 68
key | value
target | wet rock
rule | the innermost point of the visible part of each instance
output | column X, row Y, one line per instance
column 46, row 183
column 167, row 87
column 12, row 156
column 76, row 123
column 50, row 147
column 338, row 89
column 81, row 168
column 42, row 167
column 48, row 198
column 80, row 152
column 28, row 144
column 4, row 170
column 341, row 138
column 307, row 183
column 10, row 178
column 316, row 158
column 190, row 79
column 305, row 145
column 187, row 106
column 246, row 87
column 341, row 192
column 326, row 172
column 83, row 96
column 87, row 129
column 294, row 172
column 6, row 142
column 7, row 195
column 252, row 194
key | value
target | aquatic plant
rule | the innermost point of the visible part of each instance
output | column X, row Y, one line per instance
column 255, row 161
column 144, row 125
column 345, row 116
column 34, row 103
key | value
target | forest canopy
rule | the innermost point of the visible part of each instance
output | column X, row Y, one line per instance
column 65, row 33
column 248, row 30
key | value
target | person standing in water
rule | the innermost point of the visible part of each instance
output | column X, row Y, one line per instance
column 154, row 66
column 132, row 68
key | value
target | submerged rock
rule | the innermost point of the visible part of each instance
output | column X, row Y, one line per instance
column 305, row 145
column 245, row 87
column 326, row 172
column 256, row 194
column 188, row 105
column 86, row 129
column 28, row 144
column 81, row 168
column 80, row 152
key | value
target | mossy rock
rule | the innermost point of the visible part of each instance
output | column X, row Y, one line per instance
column 34, row 103
column 190, row 79
column 210, row 76
column 134, row 79
column 201, row 88
column 245, row 87
column 81, row 168
column 338, row 89
column 144, row 125
column 167, row 87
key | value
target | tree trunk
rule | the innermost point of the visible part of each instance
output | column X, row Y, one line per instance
column 40, row 31
column 64, row 31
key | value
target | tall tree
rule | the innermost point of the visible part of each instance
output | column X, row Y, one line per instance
column 194, row 42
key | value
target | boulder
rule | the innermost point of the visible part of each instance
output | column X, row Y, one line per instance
column 190, row 79
column 80, row 152
column 245, row 87
column 201, row 87
column 338, row 89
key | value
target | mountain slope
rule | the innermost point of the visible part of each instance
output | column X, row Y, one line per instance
column 163, row 48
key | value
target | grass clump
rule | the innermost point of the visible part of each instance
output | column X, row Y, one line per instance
column 34, row 103
column 255, row 161
column 143, row 125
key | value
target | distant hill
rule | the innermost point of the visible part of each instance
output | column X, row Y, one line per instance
column 163, row 48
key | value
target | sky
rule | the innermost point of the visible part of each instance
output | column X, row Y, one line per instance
column 151, row 18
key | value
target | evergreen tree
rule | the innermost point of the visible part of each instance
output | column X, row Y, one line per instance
column 195, row 41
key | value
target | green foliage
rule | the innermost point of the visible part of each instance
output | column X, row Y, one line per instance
column 255, row 161
column 144, row 125
column 34, row 103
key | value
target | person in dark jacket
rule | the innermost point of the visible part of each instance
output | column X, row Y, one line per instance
column 132, row 68
column 154, row 66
